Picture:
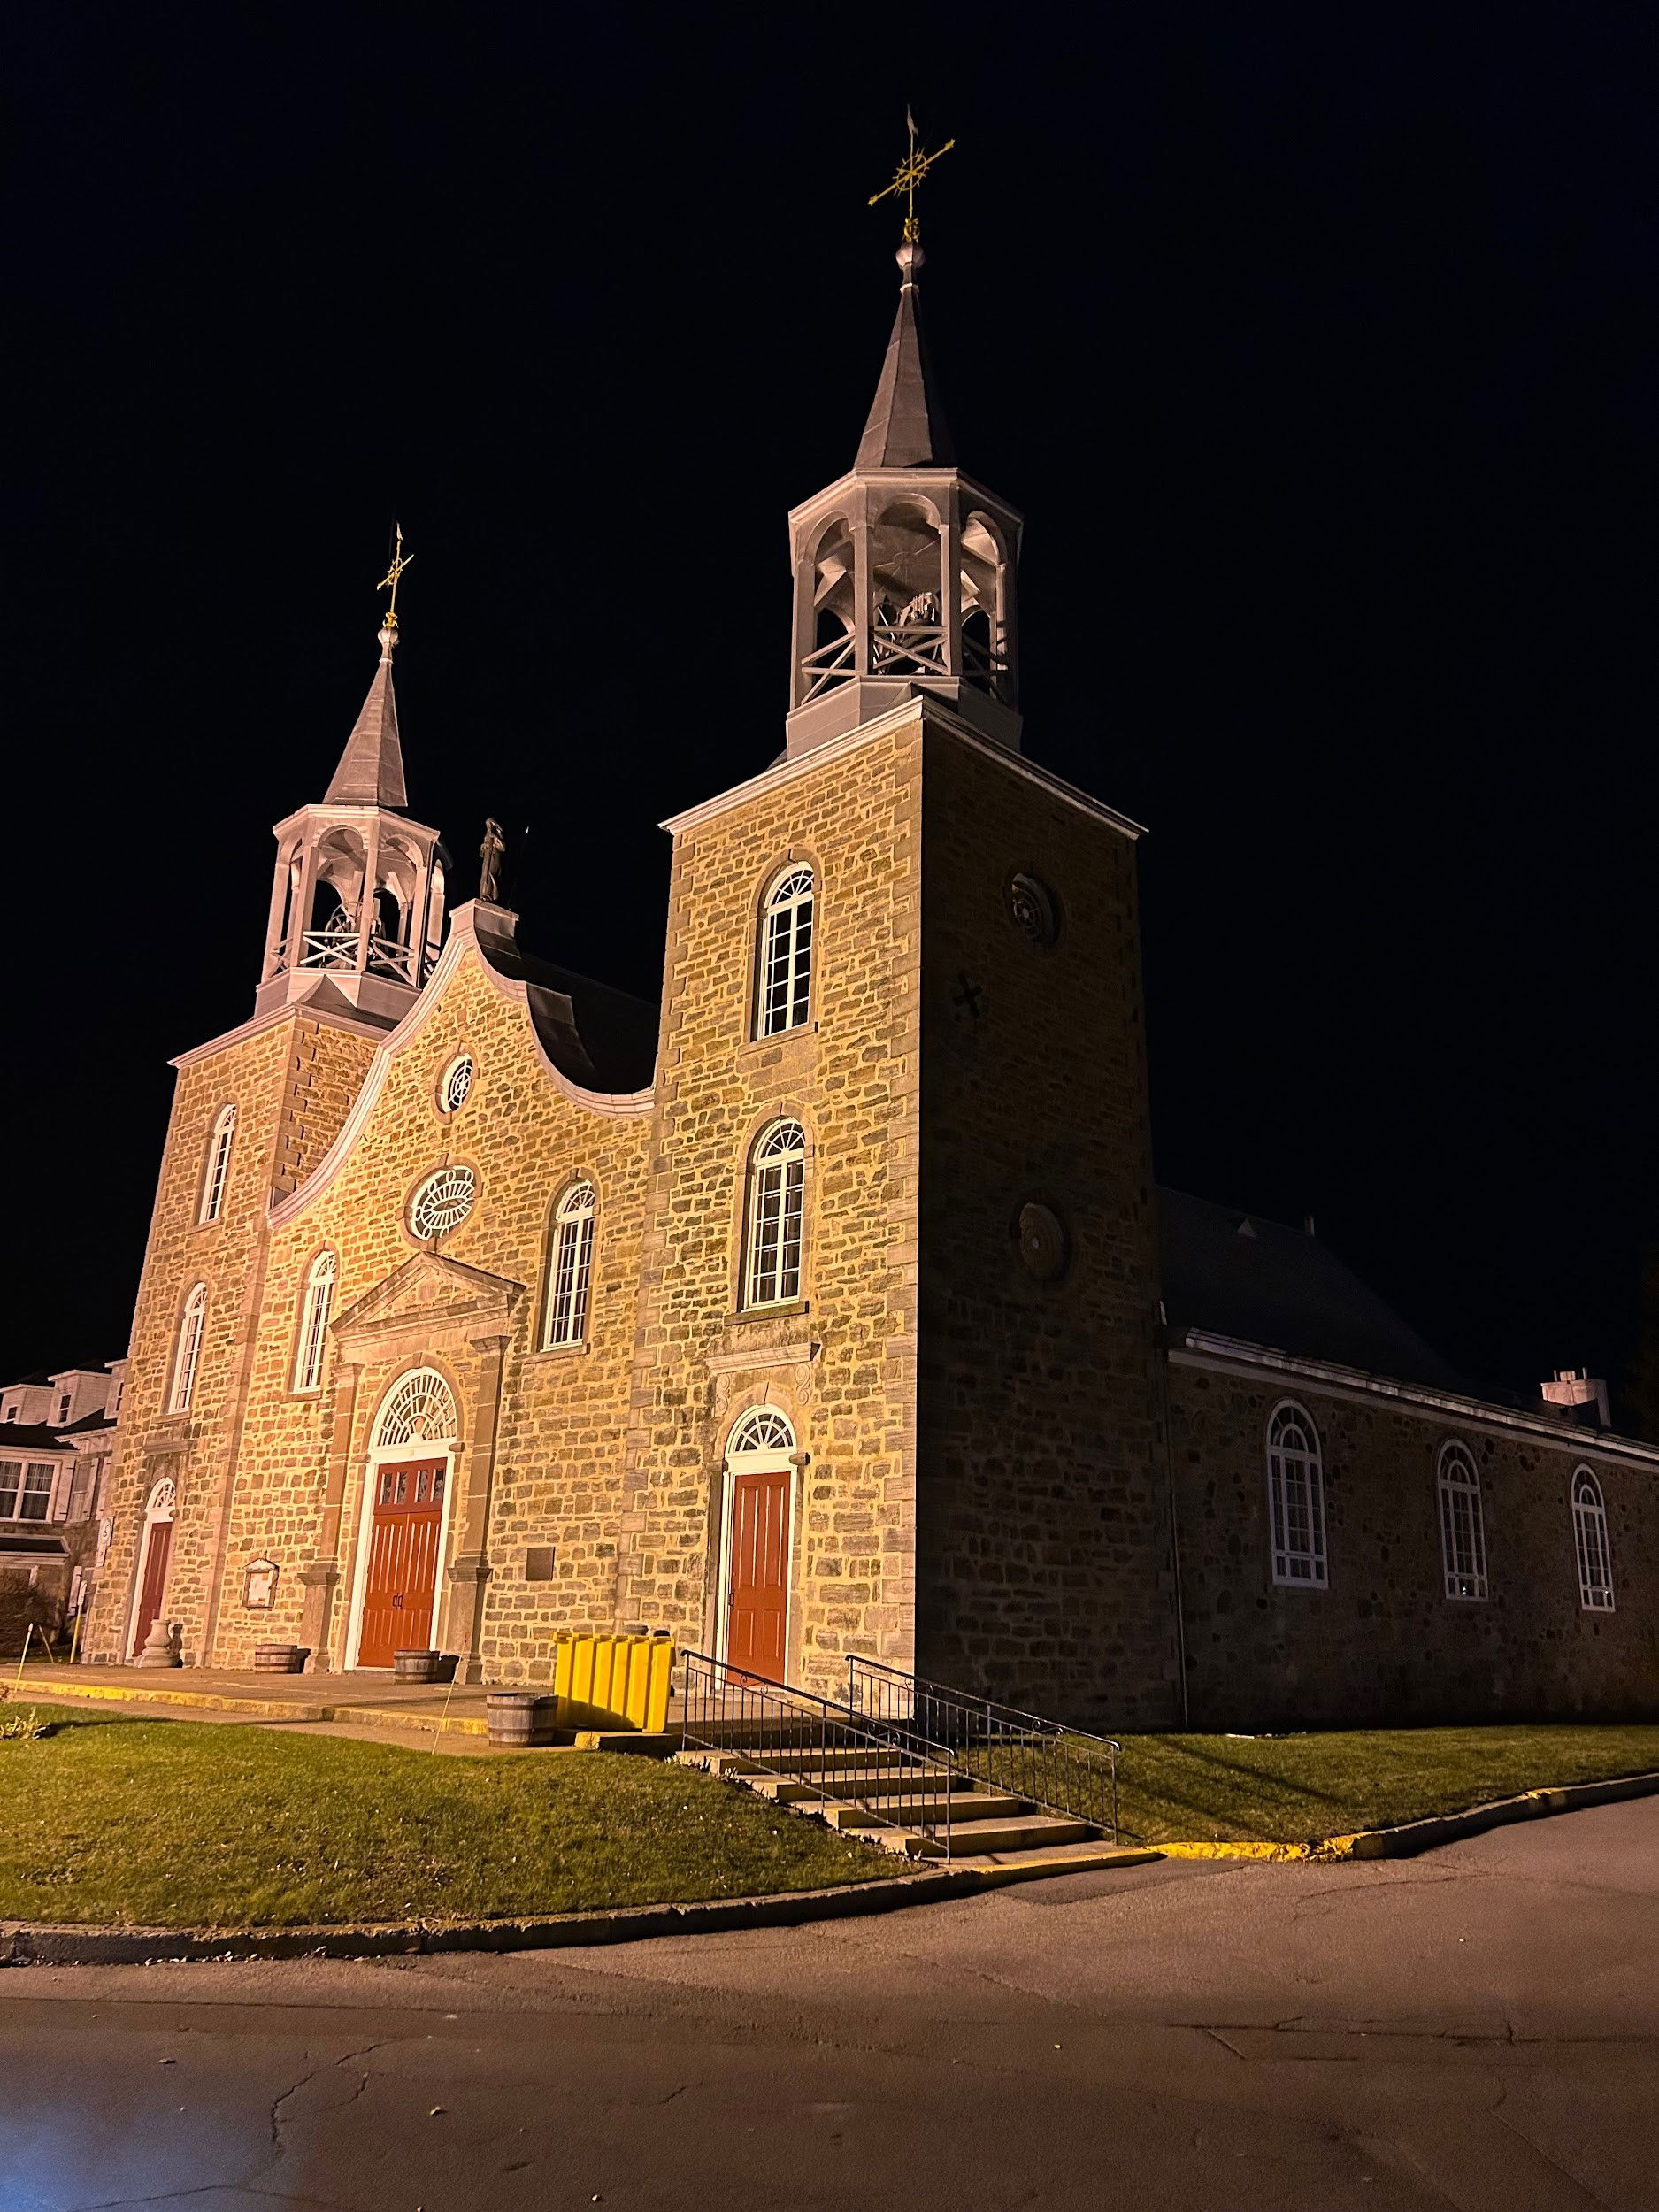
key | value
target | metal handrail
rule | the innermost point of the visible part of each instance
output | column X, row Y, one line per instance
column 725, row 1709
column 1063, row 1769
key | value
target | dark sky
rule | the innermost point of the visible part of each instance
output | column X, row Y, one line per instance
column 1319, row 349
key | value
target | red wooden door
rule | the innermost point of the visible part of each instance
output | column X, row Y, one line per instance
column 403, row 1570
column 759, row 1603
column 153, row 1590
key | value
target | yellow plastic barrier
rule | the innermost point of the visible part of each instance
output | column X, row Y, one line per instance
column 613, row 1681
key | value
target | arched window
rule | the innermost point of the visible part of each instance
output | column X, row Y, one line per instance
column 1462, row 1532
column 314, row 1311
column 217, row 1165
column 1295, row 1498
column 785, row 954
column 187, row 1356
column 420, row 1411
column 776, row 1187
column 1589, row 1536
column 762, row 1428
column 570, row 1267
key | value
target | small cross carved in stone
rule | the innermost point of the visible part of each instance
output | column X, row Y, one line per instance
column 968, row 996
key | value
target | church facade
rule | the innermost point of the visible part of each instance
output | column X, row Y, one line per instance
column 829, row 1307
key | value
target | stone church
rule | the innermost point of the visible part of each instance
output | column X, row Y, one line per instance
column 829, row 1306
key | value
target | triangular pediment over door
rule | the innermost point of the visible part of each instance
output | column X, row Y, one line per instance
column 425, row 1300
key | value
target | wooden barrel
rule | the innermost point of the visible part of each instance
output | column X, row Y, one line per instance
column 279, row 1659
column 515, row 1718
column 417, row 1666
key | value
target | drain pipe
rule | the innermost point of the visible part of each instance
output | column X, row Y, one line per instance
column 1175, row 1531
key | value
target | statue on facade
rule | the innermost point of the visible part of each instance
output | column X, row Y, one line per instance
column 489, row 854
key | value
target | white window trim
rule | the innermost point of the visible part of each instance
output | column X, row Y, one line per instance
column 575, row 1229
column 186, row 1356
column 1595, row 1515
column 760, row 1290
column 1277, row 1497
column 218, row 1171
column 1448, row 1487
column 316, row 1308
column 786, row 918
column 766, row 1463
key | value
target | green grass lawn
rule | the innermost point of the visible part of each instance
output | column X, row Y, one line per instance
column 175, row 1824
column 1290, row 1789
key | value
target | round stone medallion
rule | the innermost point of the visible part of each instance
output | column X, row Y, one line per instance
column 1041, row 1239
column 1032, row 908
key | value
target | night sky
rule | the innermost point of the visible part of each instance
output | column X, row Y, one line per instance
column 1319, row 349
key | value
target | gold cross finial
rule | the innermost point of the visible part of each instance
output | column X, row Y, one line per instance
column 400, row 562
column 908, row 175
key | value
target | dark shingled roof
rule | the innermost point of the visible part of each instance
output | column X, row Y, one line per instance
column 18, row 1437
column 603, row 1039
column 1282, row 1289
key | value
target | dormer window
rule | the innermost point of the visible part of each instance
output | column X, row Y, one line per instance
column 785, row 979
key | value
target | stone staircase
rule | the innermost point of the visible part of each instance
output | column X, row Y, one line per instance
column 905, row 1802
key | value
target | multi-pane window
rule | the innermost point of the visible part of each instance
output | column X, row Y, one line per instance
column 26, row 1489
column 570, row 1266
column 314, row 1312
column 1589, row 1536
column 217, row 1165
column 1462, row 1532
column 785, row 954
column 188, row 1358
column 1295, row 1499
column 777, row 1186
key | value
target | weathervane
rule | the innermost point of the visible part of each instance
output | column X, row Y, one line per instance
column 908, row 175
column 399, row 564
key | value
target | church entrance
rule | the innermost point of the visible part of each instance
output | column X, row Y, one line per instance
column 760, row 1490
column 155, row 1556
column 403, row 1572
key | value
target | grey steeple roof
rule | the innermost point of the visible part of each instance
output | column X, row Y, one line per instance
column 906, row 428
column 370, row 770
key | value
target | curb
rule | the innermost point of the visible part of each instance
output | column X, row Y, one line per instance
column 24, row 1943
column 1414, row 1836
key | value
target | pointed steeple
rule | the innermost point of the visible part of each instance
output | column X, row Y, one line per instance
column 370, row 770
column 906, row 428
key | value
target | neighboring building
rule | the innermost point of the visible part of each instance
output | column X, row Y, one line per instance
column 829, row 1307
column 57, row 1441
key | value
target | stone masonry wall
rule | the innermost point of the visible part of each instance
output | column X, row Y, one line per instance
column 1384, row 1642
column 1044, row 1560
column 292, row 1085
column 841, row 1361
column 555, row 1472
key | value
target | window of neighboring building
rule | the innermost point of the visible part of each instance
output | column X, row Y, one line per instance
column 1589, row 1536
column 785, row 954
column 64, row 1404
column 26, row 1490
column 314, row 1311
column 570, row 1267
column 777, row 1191
column 217, row 1165
column 1462, row 1532
column 189, row 1355
column 1296, row 1497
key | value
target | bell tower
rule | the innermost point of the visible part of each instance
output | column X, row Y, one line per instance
column 903, row 567
column 357, row 906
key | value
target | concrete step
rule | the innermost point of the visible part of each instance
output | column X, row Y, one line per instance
column 1031, row 1831
column 968, row 1809
column 895, row 1789
column 854, row 1758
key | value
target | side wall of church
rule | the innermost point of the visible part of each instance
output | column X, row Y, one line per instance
column 840, row 1361
column 292, row 1085
column 540, row 1433
column 1384, row 1642
column 1045, row 1572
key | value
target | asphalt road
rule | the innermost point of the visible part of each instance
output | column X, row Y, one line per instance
column 1478, row 2028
